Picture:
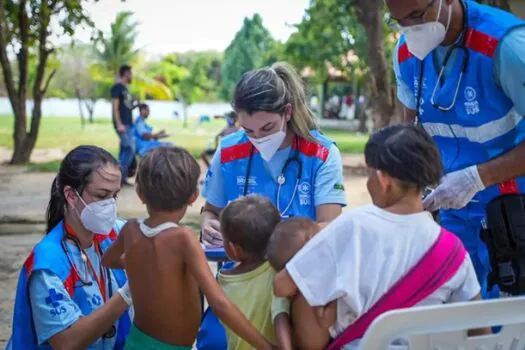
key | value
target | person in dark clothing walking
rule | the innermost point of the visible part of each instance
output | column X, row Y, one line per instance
column 122, row 106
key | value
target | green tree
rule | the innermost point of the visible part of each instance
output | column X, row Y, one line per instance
column 116, row 48
column 207, row 66
column 350, row 36
column 25, row 29
column 370, row 14
column 187, row 83
column 76, row 78
column 247, row 51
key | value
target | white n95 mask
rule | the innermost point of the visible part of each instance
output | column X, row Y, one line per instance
column 99, row 217
column 268, row 145
column 424, row 38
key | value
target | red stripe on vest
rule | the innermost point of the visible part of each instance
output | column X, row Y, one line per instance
column 403, row 54
column 236, row 152
column 29, row 263
column 312, row 149
column 70, row 282
column 240, row 151
column 509, row 187
column 99, row 238
column 481, row 42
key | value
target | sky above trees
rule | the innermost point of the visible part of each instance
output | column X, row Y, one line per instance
column 182, row 25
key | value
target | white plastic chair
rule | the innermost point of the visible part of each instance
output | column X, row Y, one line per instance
column 443, row 327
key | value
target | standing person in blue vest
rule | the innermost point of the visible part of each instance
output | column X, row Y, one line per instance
column 460, row 69
column 278, row 153
column 65, row 299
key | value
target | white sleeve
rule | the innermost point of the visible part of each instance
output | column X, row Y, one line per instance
column 470, row 286
column 317, row 270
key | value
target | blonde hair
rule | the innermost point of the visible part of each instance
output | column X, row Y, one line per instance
column 270, row 89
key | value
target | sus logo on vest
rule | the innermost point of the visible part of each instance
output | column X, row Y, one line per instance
column 471, row 105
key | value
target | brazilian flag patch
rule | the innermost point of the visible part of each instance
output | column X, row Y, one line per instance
column 339, row 187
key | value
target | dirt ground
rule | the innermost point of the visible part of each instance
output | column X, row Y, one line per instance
column 23, row 201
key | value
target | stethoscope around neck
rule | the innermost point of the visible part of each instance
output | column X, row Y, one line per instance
column 83, row 282
column 460, row 45
column 281, row 179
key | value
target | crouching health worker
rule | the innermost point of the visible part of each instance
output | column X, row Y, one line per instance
column 65, row 299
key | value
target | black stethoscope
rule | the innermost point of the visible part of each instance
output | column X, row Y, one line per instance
column 281, row 179
column 460, row 45
column 83, row 283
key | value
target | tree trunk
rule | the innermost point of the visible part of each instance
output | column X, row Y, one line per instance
column 81, row 110
column 360, row 110
column 185, row 114
column 370, row 15
column 322, row 100
column 90, row 105
column 19, row 155
column 24, row 141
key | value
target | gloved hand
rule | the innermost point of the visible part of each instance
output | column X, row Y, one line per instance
column 211, row 235
column 126, row 294
column 456, row 190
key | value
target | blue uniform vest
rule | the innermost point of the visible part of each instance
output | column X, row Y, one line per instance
column 236, row 151
column 49, row 255
column 482, row 124
column 142, row 145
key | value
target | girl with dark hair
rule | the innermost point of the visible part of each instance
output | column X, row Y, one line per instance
column 65, row 298
column 383, row 256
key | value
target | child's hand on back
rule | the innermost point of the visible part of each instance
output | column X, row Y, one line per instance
column 283, row 285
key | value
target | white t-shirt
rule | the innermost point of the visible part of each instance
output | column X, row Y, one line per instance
column 359, row 256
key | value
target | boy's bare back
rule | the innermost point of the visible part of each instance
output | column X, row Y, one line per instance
column 165, row 295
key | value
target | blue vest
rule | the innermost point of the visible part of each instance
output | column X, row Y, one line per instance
column 236, row 151
column 141, row 144
column 483, row 123
column 49, row 255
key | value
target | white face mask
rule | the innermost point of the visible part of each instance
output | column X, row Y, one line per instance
column 424, row 38
column 269, row 145
column 99, row 217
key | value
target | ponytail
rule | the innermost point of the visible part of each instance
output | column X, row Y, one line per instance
column 303, row 119
column 55, row 207
column 271, row 89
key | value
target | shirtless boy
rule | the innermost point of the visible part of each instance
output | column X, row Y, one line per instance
column 165, row 262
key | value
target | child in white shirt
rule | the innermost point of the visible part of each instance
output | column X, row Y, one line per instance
column 359, row 257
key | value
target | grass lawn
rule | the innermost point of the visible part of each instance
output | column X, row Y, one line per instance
column 66, row 133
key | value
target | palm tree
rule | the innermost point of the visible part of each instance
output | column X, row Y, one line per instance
column 118, row 47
